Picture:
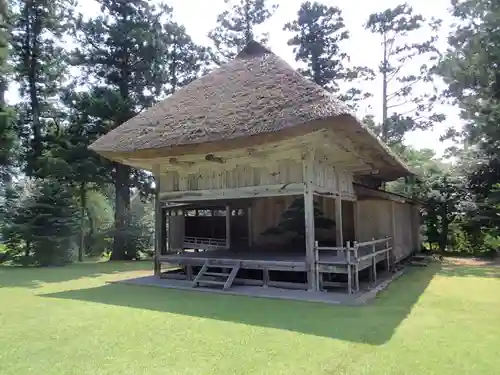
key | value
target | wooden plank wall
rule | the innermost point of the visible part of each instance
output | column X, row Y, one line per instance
column 416, row 223
column 176, row 231
column 218, row 177
column 279, row 172
column 328, row 176
column 376, row 221
column 402, row 243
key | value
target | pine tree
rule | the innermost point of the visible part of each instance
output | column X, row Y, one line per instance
column 40, row 68
column 470, row 69
column 128, row 52
column 8, row 136
column 68, row 157
column 318, row 32
column 292, row 221
column 236, row 26
column 53, row 223
column 394, row 26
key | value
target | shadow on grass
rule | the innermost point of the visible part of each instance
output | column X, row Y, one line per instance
column 372, row 324
column 463, row 270
column 32, row 277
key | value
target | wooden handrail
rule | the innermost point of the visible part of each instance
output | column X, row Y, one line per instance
column 373, row 242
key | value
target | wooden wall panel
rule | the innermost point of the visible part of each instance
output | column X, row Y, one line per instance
column 218, row 177
column 331, row 177
column 374, row 219
column 176, row 232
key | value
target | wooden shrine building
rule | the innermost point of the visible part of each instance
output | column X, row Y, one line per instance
column 264, row 178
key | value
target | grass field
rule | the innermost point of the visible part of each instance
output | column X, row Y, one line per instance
column 62, row 321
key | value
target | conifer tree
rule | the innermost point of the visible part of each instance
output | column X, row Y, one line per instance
column 236, row 26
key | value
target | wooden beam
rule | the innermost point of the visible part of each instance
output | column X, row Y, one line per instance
column 236, row 193
column 228, row 226
column 158, row 227
column 308, row 174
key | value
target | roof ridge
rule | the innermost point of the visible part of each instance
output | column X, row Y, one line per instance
column 253, row 49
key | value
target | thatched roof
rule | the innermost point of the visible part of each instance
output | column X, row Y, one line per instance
column 254, row 95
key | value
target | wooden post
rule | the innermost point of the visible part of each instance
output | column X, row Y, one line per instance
column 265, row 277
column 374, row 263
column 228, row 226
column 319, row 278
column 349, row 268
column 158, row 222
column 387, row 253
column 163, row 249
column 169, row 230
column 250, row 228
column 356, row 218
column 308, row 174
column 338, row 221
column 356, row 266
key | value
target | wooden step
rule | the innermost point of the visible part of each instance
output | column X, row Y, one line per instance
column 227, row 278
column 211, row 282
column 216, row 274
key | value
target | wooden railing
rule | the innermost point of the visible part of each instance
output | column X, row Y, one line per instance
column 205, row 243
column 352, row 258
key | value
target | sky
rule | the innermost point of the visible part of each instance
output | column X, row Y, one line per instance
column 364, row 48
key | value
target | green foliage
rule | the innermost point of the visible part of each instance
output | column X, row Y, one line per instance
column 318, row 32
column 396, row 26
column 470, row 68
column 236, row 26
column 40, row 68
column 41, row 223
column 133, row 52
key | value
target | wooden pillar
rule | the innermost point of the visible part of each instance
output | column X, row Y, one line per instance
column 228, row 226
column 308, row 174
column 163, row 249
column 356, row 266
column 158, row 223
column 356, row 220
column 374, row 263
column 250, row 227
column 169, row 230
column 349, row 268
column 338, row 221
column 265, row 277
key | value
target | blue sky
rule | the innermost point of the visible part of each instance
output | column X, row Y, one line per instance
column 364, row 48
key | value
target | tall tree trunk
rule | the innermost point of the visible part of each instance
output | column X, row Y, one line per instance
column 445, row 226
column 248, row 23
column 83, row 210
column 385, row 130
column 122, row 209
column 122, row 175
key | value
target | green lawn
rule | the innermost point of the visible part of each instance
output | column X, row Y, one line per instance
column 436, row 320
